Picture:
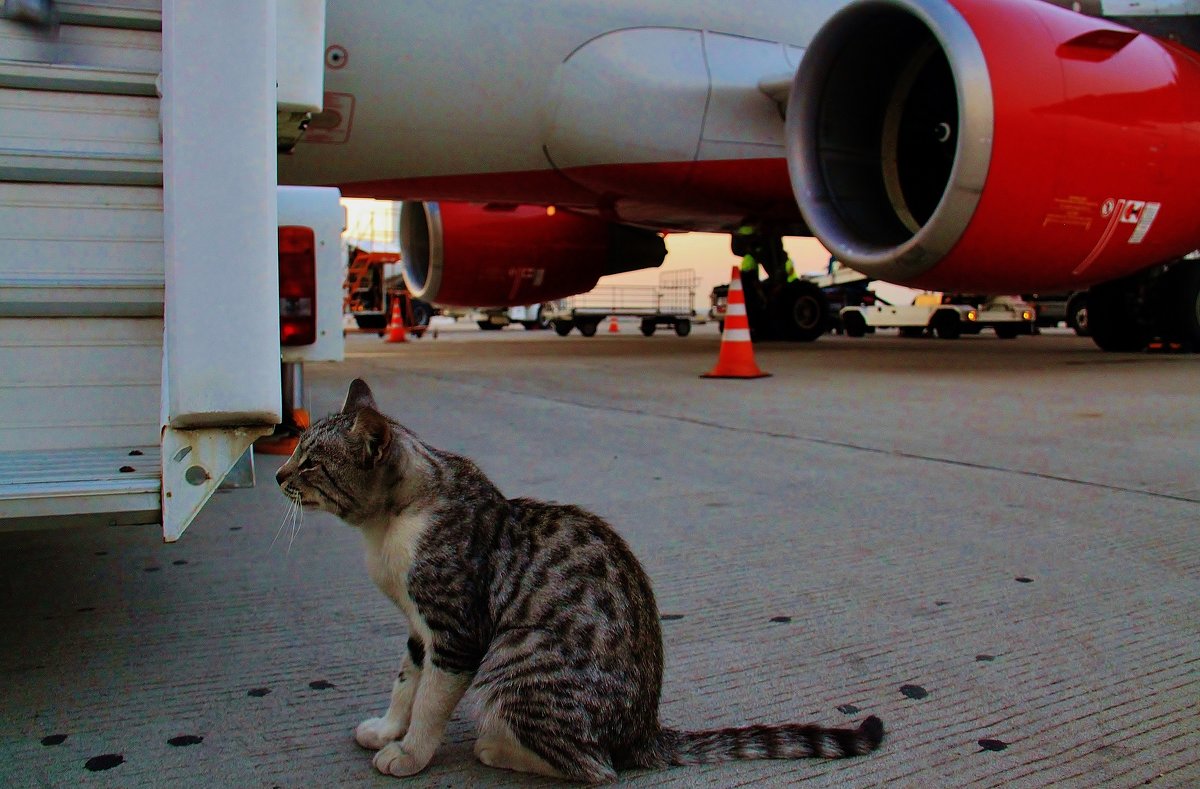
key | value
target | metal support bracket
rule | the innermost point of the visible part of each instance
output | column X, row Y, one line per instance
column 194, row 464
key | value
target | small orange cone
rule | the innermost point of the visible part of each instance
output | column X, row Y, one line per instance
column 395, row 329
column 736, row 359
column 612, row 325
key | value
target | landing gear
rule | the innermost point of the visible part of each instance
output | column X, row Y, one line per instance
column 797, row 311
column 1115, row 316
column 1158, row 306
column 1181, row 305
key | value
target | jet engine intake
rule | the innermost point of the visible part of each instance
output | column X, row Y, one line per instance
column 476, row 255
column 924, row 137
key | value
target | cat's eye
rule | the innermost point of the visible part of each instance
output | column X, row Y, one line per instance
column 308, row 464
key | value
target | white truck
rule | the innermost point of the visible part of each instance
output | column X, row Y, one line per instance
column 935, row 314
column 149, row 261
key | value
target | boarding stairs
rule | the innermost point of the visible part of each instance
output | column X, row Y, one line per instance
column 81, row 275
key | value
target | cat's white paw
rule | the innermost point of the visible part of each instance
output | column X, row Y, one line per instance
column 375, row 733
column 394, row 760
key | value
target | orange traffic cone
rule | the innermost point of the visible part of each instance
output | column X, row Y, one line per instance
column 395, row 329
column 736, row 359
column 612, row 325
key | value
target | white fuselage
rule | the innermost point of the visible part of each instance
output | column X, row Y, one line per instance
column 613, row 106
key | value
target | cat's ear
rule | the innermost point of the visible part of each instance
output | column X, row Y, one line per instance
column 375, row 432
column 359, row 396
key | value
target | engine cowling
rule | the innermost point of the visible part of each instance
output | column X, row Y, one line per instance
column 475, row 255
column 994, row 145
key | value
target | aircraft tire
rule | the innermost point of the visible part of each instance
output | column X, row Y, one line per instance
column 800, row 312
column 1181, row 317
column 1077, row 314
column 1114, row 317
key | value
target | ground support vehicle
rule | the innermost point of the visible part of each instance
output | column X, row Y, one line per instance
column 718, row 305
column 671, row 303
column 1055, row 308
column 370, row 291
column 933, row 314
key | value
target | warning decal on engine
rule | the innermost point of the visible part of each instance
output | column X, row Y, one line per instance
column 1073, row 211
column 1122, row 211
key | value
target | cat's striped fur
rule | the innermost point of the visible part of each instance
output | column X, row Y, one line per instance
column 541, row 608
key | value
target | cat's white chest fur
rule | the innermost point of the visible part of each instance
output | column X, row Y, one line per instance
column 391, row 549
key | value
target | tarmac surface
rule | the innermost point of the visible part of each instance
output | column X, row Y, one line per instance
column 992, row 545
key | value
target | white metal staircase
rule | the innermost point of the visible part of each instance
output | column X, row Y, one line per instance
column 81, row 265
column 139, row 334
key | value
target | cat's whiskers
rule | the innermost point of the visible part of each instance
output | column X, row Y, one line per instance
column 297, row 522
column 293, row 504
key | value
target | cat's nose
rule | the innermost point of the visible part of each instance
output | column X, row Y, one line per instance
column 282, row 475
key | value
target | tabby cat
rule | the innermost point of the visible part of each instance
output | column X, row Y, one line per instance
column 540, row 608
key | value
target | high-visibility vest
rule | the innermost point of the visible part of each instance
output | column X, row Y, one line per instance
column 790, row 268
column 749, row 263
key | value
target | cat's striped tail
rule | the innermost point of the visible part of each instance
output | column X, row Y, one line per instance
column 786, row 741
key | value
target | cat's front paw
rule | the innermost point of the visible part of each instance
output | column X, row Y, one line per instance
column 375, row 733
column 394, row 760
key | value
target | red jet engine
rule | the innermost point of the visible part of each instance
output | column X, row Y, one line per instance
column 474, row 255
column 994, row 146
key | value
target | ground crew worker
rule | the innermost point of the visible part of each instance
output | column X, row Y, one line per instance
column 747, row 243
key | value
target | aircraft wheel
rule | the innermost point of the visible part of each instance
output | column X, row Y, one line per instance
column 1077, row 314
column 421, row 313
column 1181, row 313
column 1114, row 319
column 801, row 312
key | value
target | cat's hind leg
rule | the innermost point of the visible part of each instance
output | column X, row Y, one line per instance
column 539, row 738
column 534, row 714
column 498, row 747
